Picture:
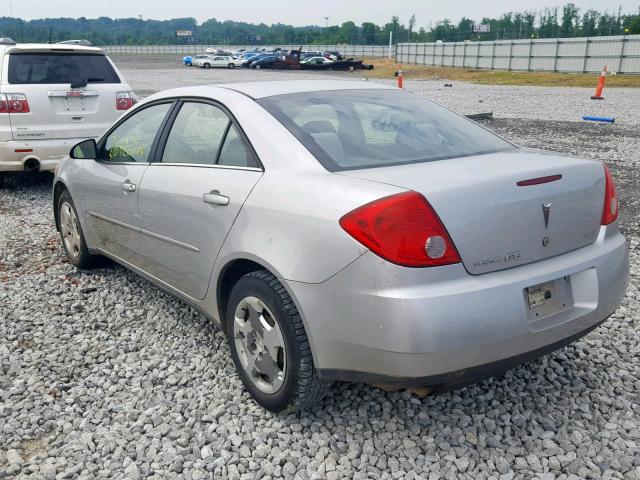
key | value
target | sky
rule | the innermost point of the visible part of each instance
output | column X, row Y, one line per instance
column 295, row 12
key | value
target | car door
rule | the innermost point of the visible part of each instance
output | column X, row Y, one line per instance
column 204, row 169
column 220, row 61
column 108, row 186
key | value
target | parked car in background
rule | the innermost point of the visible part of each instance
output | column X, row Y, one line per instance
column 218, row 61
column 195, row 60
column 247, row 58
column 217, row 51
column 254, row 58
column 52, row 95
column 333, row 55
column 188, row 61
column 316, row 61
column 268, row 61
column 348, row 231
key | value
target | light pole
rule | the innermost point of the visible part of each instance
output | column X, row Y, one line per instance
column 326, row 27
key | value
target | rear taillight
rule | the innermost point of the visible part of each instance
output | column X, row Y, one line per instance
column 610, row 209
column 403, row 229
column 124, row 100
column 14, row 103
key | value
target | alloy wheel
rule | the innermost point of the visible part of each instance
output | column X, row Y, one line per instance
column 70, row 229
column 260, row 344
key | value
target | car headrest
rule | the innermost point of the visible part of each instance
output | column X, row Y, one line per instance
column 318, row 126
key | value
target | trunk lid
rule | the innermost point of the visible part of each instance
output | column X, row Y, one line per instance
column 493, row 222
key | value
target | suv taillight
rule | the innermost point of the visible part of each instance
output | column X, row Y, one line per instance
column 610, row 208
column 14, row 103
column 403, row 229
column 124, row 100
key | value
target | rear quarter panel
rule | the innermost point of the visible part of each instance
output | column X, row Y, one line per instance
column 290, row 223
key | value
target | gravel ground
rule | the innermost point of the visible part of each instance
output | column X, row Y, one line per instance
column 104, row 375
column 561, row 104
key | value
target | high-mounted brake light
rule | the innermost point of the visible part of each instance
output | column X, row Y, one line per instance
column 124, row 100
column 403, row 229
column 14, row 103
column 610, row 208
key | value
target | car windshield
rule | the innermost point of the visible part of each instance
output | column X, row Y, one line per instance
column 350, row 129
column 59, row 67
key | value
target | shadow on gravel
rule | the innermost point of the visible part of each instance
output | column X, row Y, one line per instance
column 19, row 181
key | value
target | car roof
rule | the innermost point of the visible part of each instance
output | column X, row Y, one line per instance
column 48, row 47
column 283, row 87
column 256, row 90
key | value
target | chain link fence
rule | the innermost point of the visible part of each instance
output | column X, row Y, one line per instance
column 347, row 50
column 579, row 55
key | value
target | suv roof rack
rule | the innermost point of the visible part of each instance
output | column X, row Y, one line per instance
column 6, row 41
column 82, row 42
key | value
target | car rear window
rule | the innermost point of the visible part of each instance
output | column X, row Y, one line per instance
column 350, row 129
column 60, row 67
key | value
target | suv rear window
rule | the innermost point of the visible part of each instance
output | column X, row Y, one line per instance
column 350, row 129
column 60, row 67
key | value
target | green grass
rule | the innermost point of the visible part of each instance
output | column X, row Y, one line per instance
column 385, row 68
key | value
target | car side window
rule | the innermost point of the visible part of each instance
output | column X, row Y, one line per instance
column 196, row 134
column 131, row 141
column 234, row 152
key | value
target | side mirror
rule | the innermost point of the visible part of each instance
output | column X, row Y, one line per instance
column 85, row 149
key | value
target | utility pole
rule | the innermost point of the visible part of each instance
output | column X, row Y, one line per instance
column 10, row 9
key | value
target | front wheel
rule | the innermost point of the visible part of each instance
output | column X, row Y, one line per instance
column 258, row 67
column 71, row 234
column 206, row 65
column 269, row 345
column 231, row 65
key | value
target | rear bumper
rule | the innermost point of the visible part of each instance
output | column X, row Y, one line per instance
column 380, row 323
column 47, row 153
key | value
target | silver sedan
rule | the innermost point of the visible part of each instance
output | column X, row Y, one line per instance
column 348, row 231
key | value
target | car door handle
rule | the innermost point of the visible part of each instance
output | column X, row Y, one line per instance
column 128, row 186
column 214, row 198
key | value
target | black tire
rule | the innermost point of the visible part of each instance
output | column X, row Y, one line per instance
column 232, row 66
column 258, row 67
column 1, row 179
column 301, row 387
column 82, row 258
column 206, row 65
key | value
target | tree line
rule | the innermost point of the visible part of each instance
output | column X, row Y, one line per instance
column 567, row 21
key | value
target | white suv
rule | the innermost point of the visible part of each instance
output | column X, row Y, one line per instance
column 51, row 97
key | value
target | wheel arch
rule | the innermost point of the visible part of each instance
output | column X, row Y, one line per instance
column 233, row 270
column 58, row 188
column 229, row 275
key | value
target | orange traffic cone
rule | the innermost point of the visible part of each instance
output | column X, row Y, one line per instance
column 400, row 77
column 598, row 94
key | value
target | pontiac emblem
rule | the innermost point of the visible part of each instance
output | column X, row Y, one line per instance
column 546, row 207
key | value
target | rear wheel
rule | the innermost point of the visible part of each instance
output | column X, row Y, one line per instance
column 71, row 234
column 206, row 65
column 269, row 345
column 258, row 67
